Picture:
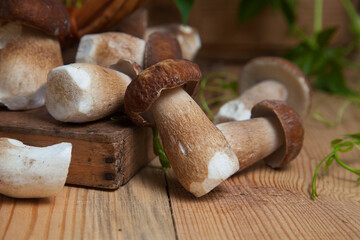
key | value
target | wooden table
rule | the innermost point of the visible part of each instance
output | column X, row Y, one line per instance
column 259, row 203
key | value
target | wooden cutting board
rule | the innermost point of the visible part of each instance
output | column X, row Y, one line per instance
column 105, row 154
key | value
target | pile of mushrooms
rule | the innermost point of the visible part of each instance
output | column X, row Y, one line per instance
column 29, row 49
column 108, row 76
column 75, row 92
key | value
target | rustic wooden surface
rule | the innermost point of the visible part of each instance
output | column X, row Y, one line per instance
column 259, row 203
column 105, row 154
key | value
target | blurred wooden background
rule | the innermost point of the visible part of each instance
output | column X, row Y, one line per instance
column 223, row 37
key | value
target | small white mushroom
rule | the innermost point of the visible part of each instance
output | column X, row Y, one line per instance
column 188, row 37
column 106, row 49
column 83, row 92
column 33, row 172
column 265, row 78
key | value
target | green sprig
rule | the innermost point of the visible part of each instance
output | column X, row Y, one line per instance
column 248, row 9
column 184, row 7
column 219, row 85
column 339, row 115
column 341, row 145
column 158, row 149
column 157, row 146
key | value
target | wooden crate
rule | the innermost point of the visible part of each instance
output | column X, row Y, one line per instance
column 105, row 154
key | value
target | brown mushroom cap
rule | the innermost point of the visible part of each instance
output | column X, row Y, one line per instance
column 279, row 69
column 293, row 130
column 147, row 87
column 49, row 16
column 161, row 46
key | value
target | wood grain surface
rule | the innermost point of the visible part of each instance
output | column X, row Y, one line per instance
column 258, row 203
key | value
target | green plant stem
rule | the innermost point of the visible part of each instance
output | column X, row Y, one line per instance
column 345, row 144
column 318, row 15
column 339, row 115
column 313, row 185
column 218, row 78
column 341, row 163
column 353, row 15
column 158, row 149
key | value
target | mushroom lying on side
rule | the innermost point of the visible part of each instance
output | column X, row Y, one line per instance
column 188, row 37
column 83, row 92
column 32, row 172
column 29, row 49
column 267, row 78
column 106, row 49
column 275, row 134
column 198, row 152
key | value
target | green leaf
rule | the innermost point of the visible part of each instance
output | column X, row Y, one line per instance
column 335, row 142
column 184, row 7
column 353, row 136
column 303, row 56
column 354, row 18
column 323, row 37
column 288, row 9
column 332, row 80
column 248, row 9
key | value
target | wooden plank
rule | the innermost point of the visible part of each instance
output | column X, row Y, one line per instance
column 262, row 203
column 106, row 154
column 139, row 210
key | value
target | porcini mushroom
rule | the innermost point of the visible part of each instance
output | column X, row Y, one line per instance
column 274, row 133
column 161, row 46
column 106, row 49
column 83, row 92
column 29, row 49
column 198, row 152
column 188, row 37
column 267, row 78
column 33, row 172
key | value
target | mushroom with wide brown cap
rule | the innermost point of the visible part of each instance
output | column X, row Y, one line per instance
column 29, row 49
column 198, row 152
column 274, row 133
column 33, row 172
column 267, row 78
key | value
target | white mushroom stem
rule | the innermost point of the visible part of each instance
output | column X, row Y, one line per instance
column 198, row 152
column 83, row 92
column 240, row 108
column 253, row 140
column 106, row 49
column 188, row 37
column 32, row 172
column 26, row 57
